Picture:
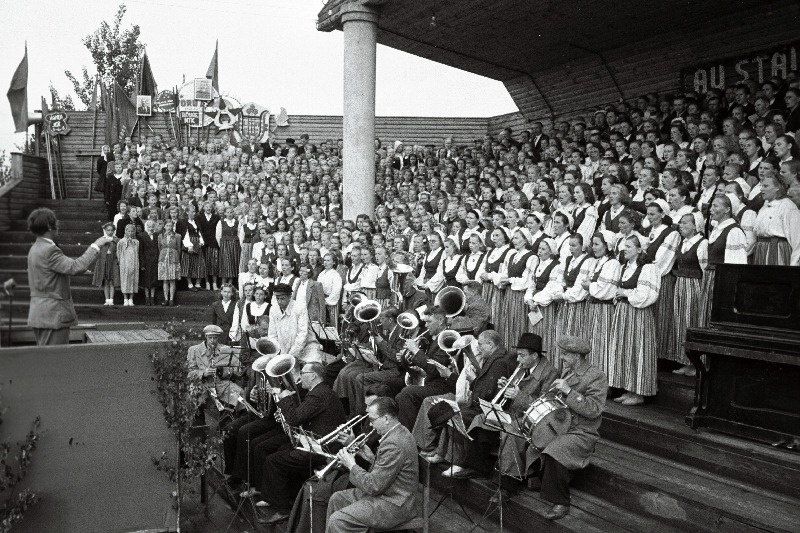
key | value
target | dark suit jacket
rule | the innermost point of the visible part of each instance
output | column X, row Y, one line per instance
column 320, row 412
column 49, row 271
column 315, row 300
column 221, row 318
column 484, row 387
column 432, row 352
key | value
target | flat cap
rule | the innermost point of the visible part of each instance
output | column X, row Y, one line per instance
column 573, row 344
column 211, row 329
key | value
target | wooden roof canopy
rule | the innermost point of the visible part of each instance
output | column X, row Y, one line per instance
column 510, row 40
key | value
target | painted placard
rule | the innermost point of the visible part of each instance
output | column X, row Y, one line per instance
column 203, row 90
column 253, row 121
column 56, row 123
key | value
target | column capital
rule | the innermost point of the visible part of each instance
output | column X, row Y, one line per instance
column 361, row 10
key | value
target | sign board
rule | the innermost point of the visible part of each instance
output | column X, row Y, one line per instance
column 758, row 67
column 144, row 105
column 166, row 101
column 56, row 123
column 188, row 105
column 191, row 117
column 253, row 121
column 203, row 90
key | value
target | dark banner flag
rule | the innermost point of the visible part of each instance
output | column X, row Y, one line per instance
column 213, row 69
column 18, row 94
column 147, row 83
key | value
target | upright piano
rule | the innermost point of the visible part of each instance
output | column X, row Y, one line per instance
column 748, row 358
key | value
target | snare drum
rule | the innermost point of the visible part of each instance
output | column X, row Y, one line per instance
column 546, row 418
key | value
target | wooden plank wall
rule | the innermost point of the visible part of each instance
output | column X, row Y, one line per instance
column 75, row 148
column 30, row 182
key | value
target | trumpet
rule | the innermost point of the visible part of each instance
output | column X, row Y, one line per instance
column 352, row 448
column 347, row 426
column 512, row 381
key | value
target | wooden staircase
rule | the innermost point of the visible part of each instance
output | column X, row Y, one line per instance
column 79, row 223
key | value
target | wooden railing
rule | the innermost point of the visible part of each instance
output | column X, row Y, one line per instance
column 28, row 185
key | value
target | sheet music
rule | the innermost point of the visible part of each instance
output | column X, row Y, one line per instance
column 325, row 332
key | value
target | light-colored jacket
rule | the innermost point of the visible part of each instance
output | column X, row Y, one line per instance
column 49, row 271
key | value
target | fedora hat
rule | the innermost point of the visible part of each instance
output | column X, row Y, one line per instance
column 530, row 341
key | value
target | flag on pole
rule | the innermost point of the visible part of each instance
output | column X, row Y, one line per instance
column 18, row 94
column 147, row 83
column 213, row 68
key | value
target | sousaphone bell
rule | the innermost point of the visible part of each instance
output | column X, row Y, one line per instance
column 451, row 300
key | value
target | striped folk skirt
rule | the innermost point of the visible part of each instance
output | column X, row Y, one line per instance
column 599, row 319
column 546, row 329
column 707, row 295
column 772, row 251
column 229, row 252
column 192, row 266
column 572, row 320
column 244, row 256
column 689, row 313
column 515, row 318
column 632, row 360
column 494, row 297
column 664, row 316
column 211, row 259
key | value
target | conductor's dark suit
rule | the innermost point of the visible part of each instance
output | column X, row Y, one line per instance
column 222, row 318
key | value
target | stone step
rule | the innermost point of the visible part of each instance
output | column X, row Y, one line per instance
column 138, row 313
column 96, row 203
column 73, row 237
column 654, row 429
column 524, row 511
column 89, row 221
column 675, row 392
column 681, row 496
column 89, row 294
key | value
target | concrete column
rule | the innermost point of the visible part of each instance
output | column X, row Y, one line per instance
column 360, row 27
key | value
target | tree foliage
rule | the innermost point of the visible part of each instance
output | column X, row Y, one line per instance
column 58, row 102
column 115, row 52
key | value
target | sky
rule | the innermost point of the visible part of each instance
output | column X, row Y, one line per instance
column 270, row 52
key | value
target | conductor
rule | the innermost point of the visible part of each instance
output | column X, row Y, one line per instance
column 52, row 312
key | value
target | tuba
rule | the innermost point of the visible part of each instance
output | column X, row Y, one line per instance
column 451, row 300
column 447, row 340
column 278, row 368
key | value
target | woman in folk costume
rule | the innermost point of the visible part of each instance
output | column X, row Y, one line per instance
column 628, row 226
column 354, row 275
column 227, row 235
column 690, row 263
column 546, row 283
column 106, row 271
column 251, row 276
column 777, row 227
column 517, row 279
column 246, row 318
column 381, row 277
column 148, row 259
column 473, row 264
column 618, row 198
column 585, row 213
column 562, row 229
column 495, row 266
column 727, row 243
column 248, row 236
column 572, row 311
column 193, row 267
column 602, row 285
column 128, row 261
column 449, row 266
column 432, row 260
column 662, row 246
column 632, row 360
column 169, row 261
column 207, row 224
column 533, row 223
column 472, row 219
column 742, row 214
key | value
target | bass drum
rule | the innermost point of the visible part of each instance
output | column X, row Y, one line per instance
column 546, row 418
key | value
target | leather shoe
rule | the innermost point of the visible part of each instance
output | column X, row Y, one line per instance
column 633, row 400
column 557, row 512
column 275, row 518
column 459, row 472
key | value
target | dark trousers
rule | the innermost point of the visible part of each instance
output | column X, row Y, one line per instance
column 285, row 471
column 244, row 443
column 262, row 447
column 555, row 481
column 234, row 445
column 410, row 400
column 479, row 449
column 385, row 382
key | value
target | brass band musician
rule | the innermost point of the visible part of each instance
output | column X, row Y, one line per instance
column 214, row 365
